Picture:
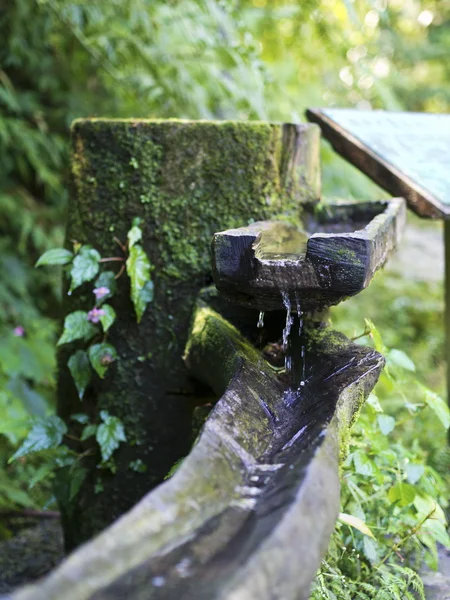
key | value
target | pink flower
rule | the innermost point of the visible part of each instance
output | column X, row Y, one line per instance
column 19, row 331
column 95, row 314
column 101, row 292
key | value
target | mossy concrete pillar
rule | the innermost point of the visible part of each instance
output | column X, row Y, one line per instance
column 186, row 180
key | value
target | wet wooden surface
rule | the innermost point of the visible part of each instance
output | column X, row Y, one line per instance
column 313, row 271
column 249, row 512
column 407, row 154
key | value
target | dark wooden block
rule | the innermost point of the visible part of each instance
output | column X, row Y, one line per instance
column 269, row 264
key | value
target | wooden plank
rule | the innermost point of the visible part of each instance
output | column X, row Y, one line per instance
column 404, row 153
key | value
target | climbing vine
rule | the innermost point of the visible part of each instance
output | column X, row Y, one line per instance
column 89, row 331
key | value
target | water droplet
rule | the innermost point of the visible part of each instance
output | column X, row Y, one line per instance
column 260, row 323
column 183, row 567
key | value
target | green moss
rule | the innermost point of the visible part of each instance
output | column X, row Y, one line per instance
column 348, row 255
column 188, row 180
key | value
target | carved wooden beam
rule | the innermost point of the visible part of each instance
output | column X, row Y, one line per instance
column 268, row 264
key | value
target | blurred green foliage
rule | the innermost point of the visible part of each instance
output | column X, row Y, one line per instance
column 248, row 59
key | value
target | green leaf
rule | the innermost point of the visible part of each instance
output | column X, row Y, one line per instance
column 356, row 523
column 101, row 356
column 106, row 279
column 33, row 402
column 138, row 269
column 108, row 318
column 402, row 493
column 57, row 256
column 437, row 405
column 80, row 369
column 370, row 548
column 373, row 401
column 15, row 494
column 376, row 337
column 76, row 327
column 414, row 472
column 45, row 433
column 88, row 432
column 138, row 466
column 85, row 267
column 147, row 293
column 134, row 236
column 386, row 424
column 78, row 475
column 80, row 418
column 44, row 471
column 400, row 359
column 109, row 434
column 363, row 464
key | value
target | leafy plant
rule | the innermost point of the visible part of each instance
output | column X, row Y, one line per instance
column 81, row 326
column 393, row 500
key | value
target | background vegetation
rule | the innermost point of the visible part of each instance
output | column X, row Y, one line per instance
column 247, row 59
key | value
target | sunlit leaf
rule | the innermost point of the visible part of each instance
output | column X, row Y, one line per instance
column 356, row 523
column 109, row 434
column 400, row 359
column 370, row 548
column 414, row 472
column 376, row 337
column 134, row 235
column 386, row 423
column 57, row 256
column 437, row 405
column 373, row 401
column 402, row 493
column 363, row 464
column 138, row 269
column 76, row 327
column 80, row 369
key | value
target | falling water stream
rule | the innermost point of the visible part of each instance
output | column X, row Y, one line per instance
column 286, row 332
column 260, row 323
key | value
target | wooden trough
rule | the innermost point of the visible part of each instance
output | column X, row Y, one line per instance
column 249, row 512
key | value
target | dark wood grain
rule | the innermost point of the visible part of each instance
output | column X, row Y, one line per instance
column 269, row 263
